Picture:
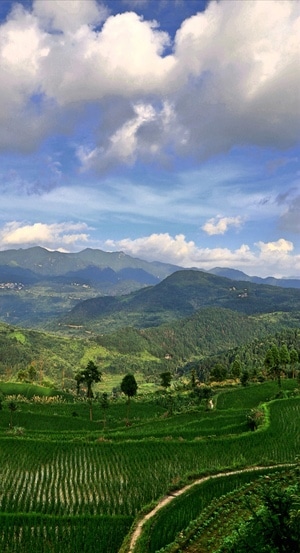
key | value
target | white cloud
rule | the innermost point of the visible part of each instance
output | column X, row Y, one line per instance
column 233, row 77
column 281, row 248
column 69, row 15
column 54, row 236
column 263, row 259
column 220, row 225
column 158, row 247
column 273, row 258
column 137, row 137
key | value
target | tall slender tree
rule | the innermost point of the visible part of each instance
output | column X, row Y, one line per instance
column 294, row 358
column 88, row 376
column 272, row 363
column 12, row 407
column 284, row 357
column 129, row 388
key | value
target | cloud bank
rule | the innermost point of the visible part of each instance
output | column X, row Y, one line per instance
column 273, row 258
column 261, row 259
column 16, row 234
column 232, row 77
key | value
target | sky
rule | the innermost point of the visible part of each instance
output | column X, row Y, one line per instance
column 166, row 129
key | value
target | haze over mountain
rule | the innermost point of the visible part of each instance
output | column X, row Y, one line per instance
column 239, row 275
column 47, row 263
column 180, row 295
column 37, row 286
column 93, row 265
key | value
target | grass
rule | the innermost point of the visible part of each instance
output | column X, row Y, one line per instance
column 57, row 464
column 28, row 391
column 250, row 396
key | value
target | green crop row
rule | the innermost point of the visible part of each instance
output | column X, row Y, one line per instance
column 249, row 397
column 21, row 533
column 118, row 478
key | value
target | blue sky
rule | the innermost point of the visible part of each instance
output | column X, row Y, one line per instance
column 168, row 129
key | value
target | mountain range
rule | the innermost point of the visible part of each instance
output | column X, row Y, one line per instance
column 177, row 296
column 234, row 274
column 129, row 313
column 38, row 287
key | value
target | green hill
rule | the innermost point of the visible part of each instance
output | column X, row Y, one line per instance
column 180, row 295
column 37, row 285
column 55, row 359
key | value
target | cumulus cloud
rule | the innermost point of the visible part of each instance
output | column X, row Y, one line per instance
column 273, row 258
column 232, row 78
column 53, row 236
column 69, row 15
column 220, row 225
column 281, row 247
column 263, row 258
column 157, row 247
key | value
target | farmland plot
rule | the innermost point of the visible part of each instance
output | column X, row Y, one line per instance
column 74, row 482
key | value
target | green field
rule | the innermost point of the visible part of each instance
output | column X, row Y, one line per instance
column 68, row 480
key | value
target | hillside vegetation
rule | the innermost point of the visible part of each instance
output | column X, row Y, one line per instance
column 177, row 296
column 208, row 338
column 37, row 285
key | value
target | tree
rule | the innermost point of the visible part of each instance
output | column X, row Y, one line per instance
column 236, row 367
column 275, row 527
column 22, row 375
column 88, row 376
column 284, row 356
column 294, row 358
column 165, row 379
column 12, row 407
column 272, row 363
column 129, row 388
column 276, row 369
column 32, row 373
column 203, row 392
column 244, row 378
column 218, row 372
column 193, row 379
column 269, row 361
column 78, row 379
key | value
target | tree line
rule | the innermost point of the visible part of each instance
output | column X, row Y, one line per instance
column 270, row 358
column 91, row 375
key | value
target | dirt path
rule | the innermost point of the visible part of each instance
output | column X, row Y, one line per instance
column 168, row 498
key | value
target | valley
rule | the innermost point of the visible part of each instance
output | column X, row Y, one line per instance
column 216, row 410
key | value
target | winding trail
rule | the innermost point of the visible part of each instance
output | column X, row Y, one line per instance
column 168, row 498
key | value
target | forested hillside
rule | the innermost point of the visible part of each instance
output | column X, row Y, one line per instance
column 179, row 295
column 36, row 356
column 208, row 338
column 208, row 331
column 37, row 285
column 38, row 288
